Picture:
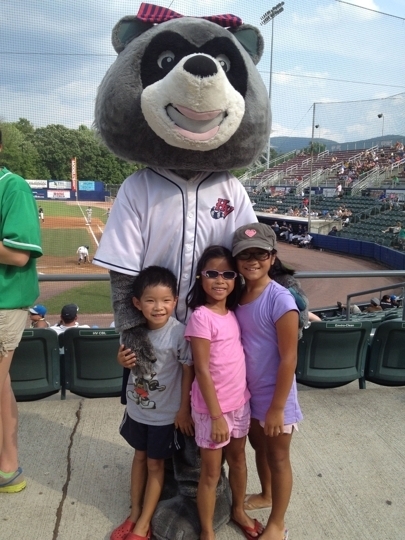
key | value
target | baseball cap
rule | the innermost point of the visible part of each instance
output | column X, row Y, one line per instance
column 375, row 301
column 39, row 309
column 258, row 235
column 69, row 312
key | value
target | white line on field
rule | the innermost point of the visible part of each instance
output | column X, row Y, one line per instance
column 100, row 229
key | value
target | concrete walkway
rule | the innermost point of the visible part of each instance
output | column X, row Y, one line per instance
column 348, row 460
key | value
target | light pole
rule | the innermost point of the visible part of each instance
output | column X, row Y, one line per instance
column 382, row 130
column 264, row 19
column 311, row 168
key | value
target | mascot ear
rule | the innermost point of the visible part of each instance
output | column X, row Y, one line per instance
column 251, row 40
column 127, row 29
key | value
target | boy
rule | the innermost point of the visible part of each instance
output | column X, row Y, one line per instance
column 158, row 403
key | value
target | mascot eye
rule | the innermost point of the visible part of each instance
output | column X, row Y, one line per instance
column 166, row 60
column 224, row 62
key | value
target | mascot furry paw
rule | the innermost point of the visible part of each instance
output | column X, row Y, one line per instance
column 184, row 98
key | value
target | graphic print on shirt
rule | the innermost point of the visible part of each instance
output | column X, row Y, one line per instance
column 143, row 385
column 221, row 209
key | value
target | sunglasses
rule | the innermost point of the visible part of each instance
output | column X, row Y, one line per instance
column 258, row 255
column 213, row 274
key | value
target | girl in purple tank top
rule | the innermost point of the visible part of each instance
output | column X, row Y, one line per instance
column 268, row 317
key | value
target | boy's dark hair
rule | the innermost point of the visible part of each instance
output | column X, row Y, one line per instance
column 197, row 296
column 153, row 276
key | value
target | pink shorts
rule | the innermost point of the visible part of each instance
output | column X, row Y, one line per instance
column 238, row 423
column 288, row 428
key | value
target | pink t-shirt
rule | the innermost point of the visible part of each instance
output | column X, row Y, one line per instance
column 227, row 359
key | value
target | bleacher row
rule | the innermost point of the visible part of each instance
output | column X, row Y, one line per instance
column 331, row 353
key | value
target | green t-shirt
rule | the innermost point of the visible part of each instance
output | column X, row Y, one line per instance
column 19, row 229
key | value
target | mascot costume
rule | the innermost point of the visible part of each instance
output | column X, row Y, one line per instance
column 184, row 98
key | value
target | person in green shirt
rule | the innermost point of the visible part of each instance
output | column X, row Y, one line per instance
column 20, row 245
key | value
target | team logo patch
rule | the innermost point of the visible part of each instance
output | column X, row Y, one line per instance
column 221, row 209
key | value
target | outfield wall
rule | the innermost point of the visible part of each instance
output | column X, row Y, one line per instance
column 389, row 257
column 62, row 190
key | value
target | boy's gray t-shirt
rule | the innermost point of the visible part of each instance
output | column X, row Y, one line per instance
column 156, row 400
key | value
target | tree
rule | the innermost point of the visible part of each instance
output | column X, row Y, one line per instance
column 316, row 147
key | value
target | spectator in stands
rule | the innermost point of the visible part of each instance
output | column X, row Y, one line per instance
column 386, row 302
column 395, row 301
column 395, row 229
column 354, row 309
column 333, row 231
column 339, row 189
column 68, row 319
column 374, row 306
column 37, row 317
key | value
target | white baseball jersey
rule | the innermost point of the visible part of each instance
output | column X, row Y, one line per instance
column 83, row 251
column 159, row 218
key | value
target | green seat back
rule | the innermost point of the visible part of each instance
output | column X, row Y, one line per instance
column 332, row 354
column 90, row 362
column 386, row 363
column 35, row 368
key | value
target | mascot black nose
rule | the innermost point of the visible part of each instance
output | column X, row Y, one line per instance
column 201, row 66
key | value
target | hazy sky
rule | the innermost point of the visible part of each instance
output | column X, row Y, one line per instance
column 54, row 53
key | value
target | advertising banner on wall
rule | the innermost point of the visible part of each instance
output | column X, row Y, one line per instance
column 59, row 184
column 58, row 194
column 86, row 185
column 37, row 184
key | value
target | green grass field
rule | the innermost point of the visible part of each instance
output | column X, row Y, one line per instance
column 64, row 242
column 61, row 209
column 91, row 298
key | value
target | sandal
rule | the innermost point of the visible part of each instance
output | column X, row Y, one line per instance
column 122, row 531
column 247, row 531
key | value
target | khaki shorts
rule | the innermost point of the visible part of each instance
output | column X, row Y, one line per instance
column 12, row 324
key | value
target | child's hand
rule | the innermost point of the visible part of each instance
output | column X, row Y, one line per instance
column 219, row 430
column 126, row 358
column 184, row 422
column 274, row 423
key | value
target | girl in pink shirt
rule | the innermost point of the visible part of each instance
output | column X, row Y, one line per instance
column 219, row 394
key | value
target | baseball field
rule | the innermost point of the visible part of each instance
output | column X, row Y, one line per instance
column 66, row 227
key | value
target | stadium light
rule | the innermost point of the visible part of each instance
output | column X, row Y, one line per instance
column 382, row 130
column 264, row 19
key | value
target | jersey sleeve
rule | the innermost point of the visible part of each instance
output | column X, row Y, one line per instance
column 19, row 220
column 122, row 246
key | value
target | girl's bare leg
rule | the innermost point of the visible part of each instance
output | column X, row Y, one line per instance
column 235, row 456
column 206, row 493
column 257, row 440
column 278, row 455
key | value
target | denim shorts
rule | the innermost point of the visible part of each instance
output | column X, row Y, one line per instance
column 159, row 442
column 238, row 424
column 12, row 324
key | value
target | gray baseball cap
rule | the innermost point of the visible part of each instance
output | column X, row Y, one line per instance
column 257, row 235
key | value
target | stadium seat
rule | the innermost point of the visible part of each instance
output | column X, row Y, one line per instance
column 90, row 362
column 386, row 362
column 332, row 354
column 35, row 370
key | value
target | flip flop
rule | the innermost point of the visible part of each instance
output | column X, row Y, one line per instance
column 250, row 505
column 285, row 535
column 258, row 529
column 122, row 531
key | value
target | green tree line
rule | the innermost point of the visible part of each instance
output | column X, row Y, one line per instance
column 45, row 153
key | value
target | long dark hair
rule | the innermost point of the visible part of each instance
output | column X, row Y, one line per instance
column 278, row 268
column 197, row 296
